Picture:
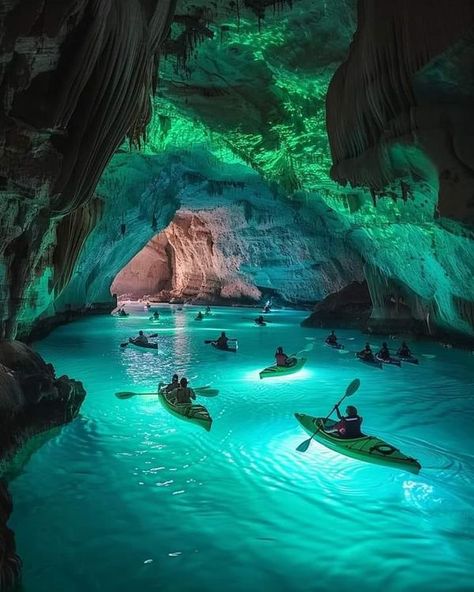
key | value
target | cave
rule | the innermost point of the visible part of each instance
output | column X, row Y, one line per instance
column 274, row 200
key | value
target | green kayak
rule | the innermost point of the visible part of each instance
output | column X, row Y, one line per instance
column 368, row 448
column 283, row 370
column 197, row 414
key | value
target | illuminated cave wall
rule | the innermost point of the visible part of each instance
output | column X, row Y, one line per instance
column 240, row 116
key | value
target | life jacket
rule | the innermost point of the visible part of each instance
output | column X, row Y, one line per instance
column 222, row 342
column 349, row 427
column 281, row 359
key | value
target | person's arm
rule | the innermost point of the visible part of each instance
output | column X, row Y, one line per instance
column 192, row 394
column 337, row 411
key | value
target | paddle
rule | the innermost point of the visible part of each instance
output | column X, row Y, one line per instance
column 128, row 342
column 215, row 340
column 350, row 390
column 204, row 391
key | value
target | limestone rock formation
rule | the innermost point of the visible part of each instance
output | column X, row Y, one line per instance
column 32, row 401
column 10, row 563
column 75, row 78
column 350, row 307
column 32, row 398
column 242, row 94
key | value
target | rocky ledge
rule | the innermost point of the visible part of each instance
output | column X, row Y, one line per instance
column 32, row 401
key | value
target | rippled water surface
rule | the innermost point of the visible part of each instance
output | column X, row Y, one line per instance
column 128, row 497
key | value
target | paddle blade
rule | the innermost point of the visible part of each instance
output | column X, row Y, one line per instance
column 124, row 344
column 207, row 392
column 353, row 387
column 303, row 447
column 124, row 395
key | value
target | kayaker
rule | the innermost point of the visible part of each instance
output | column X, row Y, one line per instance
column 122, row 313
column 222, row 341
column 331, row 339
column 260, row 321
column 384, row 353
column 208, row 310
column 142, row 338
column 199, row 316
column 404, row 350
column 366, row 353
column 282, row 359
column 173, row 385
column 183, row 393
column 148, row 305
column 348, row 426
column 156, row 315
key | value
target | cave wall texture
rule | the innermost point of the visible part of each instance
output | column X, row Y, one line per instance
column 75, row 78
column 235, row 158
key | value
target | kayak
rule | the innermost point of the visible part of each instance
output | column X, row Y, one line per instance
column 390, row 361
column 260, row 324
column 198, row 318
column 335, row 345
column 197, row 414
column 144, row 345
column 409, row 359
column 229, row 349
column 367, row 448
column 372, row 362
column 275, row 370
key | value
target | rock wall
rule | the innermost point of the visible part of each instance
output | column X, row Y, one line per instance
column 407, row 80
column 32, row 401
column 75, row 78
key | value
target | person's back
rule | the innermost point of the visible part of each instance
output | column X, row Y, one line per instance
column 184, row 394
column 280, row 357
column 331, row 339
column 142, row 338
column 173, row 385
column 222, row 341
column 366, row 353
column 384, row 353
column 349, row 426
column 404, row 351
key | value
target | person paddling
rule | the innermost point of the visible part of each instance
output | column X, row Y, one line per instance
column 222, row 342
column 404, row 350
column 199, row 316
column 122, row 313
column 366, row 353
column 173, row 385
column 348, row 426
column 384, row 353
column 282, row 359
column 331, row 339
column 260, row 320
column 141, row 339
column 183, row 393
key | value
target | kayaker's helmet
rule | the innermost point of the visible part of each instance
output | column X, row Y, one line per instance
column 404, row 344
column 183, row 382
column 140, row 333
column 351, row 411
column 384, row 344
column 332, row 332
column 367, row 345
column 175, row 378
column 279, row 350
column 223, row 334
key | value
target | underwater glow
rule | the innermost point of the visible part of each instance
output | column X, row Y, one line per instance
column 161, row 500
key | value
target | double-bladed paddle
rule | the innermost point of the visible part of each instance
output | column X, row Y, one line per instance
column 204, row 391
column 350, row 390
column 128, row 342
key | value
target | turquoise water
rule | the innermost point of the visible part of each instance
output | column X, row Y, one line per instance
column 128, row 497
